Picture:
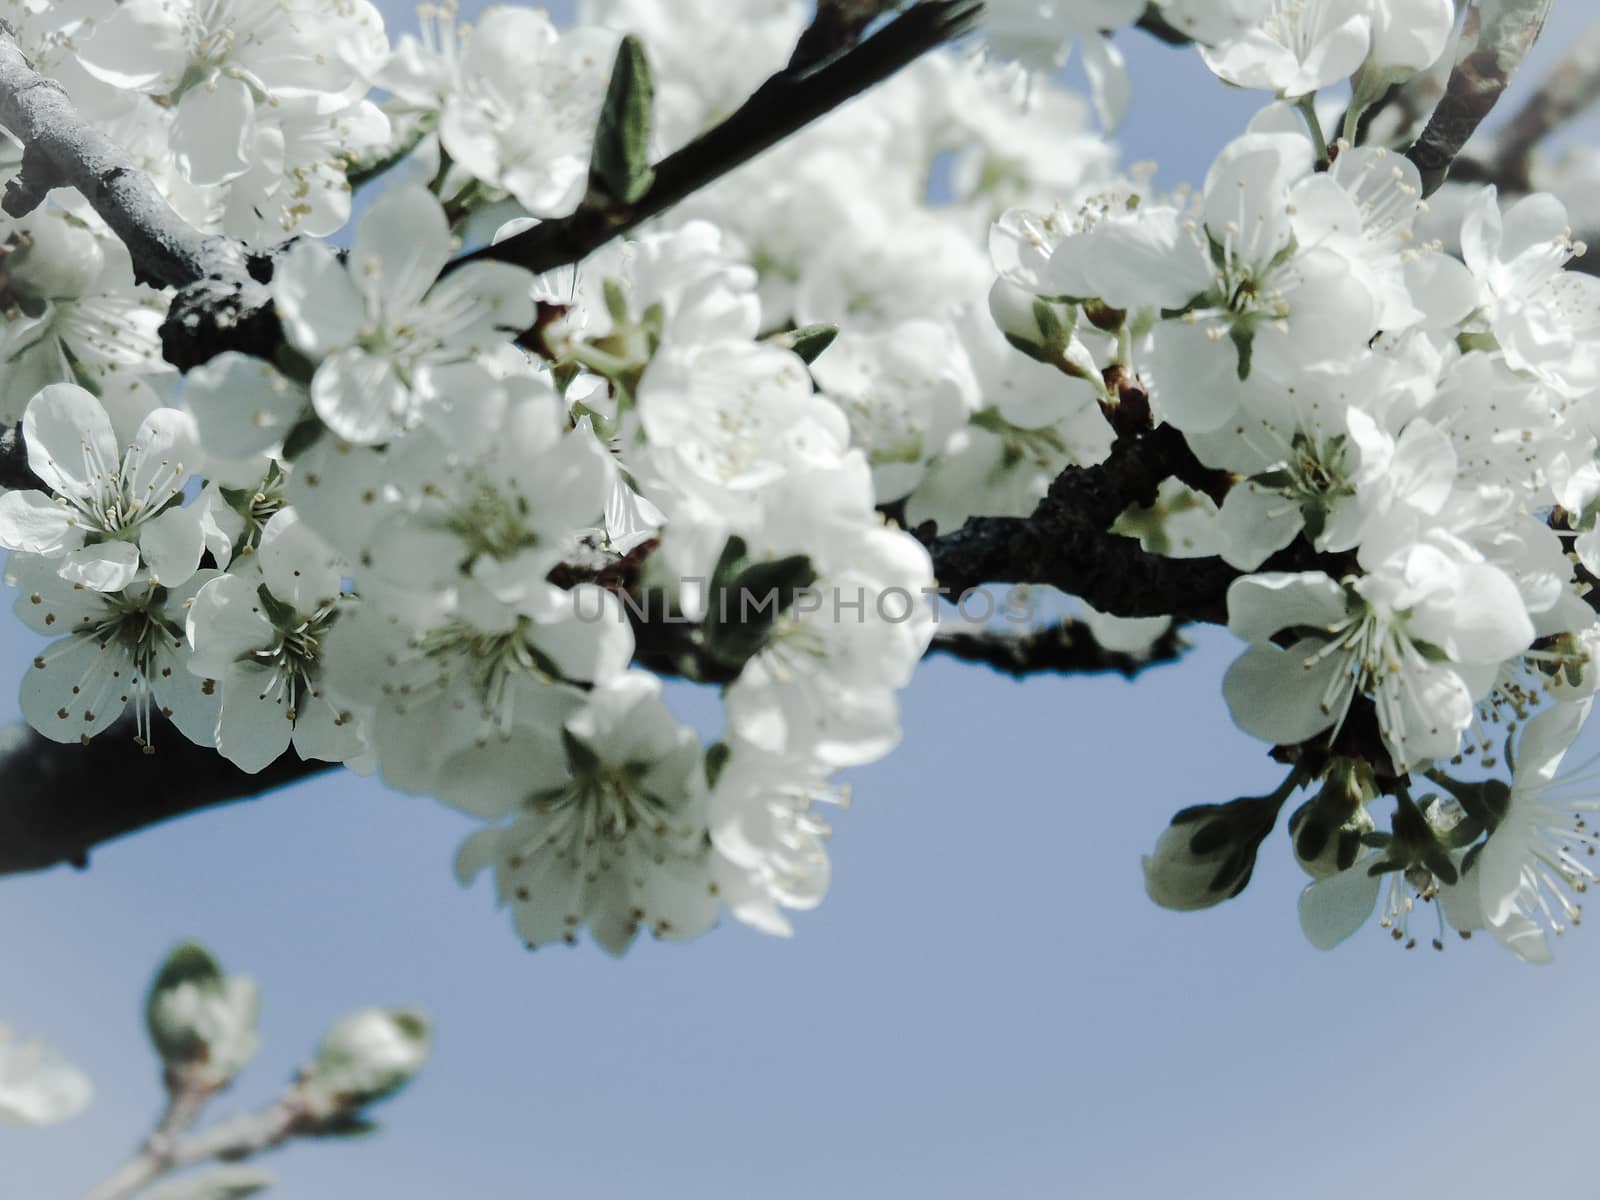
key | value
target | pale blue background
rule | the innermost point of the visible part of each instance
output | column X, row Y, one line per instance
column 986, row 1004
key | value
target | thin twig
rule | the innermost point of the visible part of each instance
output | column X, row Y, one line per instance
column 783, row 105
column 232, row 1140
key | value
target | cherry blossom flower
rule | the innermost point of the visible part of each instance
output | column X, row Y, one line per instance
column 379, row 327
column 110, row 515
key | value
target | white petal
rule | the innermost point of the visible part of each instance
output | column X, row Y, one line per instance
column 1260, row 605
column 478, row 306
column 1192, row 377
column 241, row 405
column 225, row 621
column 106, row 567
column 1255, row 522
column 400, row 247
column 1332, row 909
column 214, row 130
column 298, row 566
column 36, row 1086
column 183, row 698
column 1275, row 695
column 1546, row 740
column 325, row 732
column 165, row 451
column 171, row 546
column 140, row 46
column 33, row 523
column 319, row 304
column 254, row 728
column 71, row 445
column 360, row 397
column 78, row 691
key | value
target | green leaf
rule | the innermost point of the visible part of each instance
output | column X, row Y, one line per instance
column 746, row 600
column 1037, row 353
column 582, row 759
column 1244, row 341
column 808, row 342
column 302, row 437
column 717, row 755
column 282, row 616
column 621, row 163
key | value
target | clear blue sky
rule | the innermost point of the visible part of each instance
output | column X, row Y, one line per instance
column 986, row 1004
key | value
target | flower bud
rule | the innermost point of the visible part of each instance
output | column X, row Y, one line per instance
column 1036, row 327
column 1208, row 852
column 1327, row 829
column 366, row 1057
column 203, row 1024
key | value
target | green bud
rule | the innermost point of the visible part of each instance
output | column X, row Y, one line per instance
column 621, row 163
column 1039, row 328
column 366, row 1057
column 202, row 1023
column 1327, row 829
column 808, row 342
column 1207, row 854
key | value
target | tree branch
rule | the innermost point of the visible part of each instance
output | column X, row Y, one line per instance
column 233, row 1140
column 59, row 801
column 782, row 106
column 1064, row 648
column 1496, row 38
column 60, row 149
column 1065, row 542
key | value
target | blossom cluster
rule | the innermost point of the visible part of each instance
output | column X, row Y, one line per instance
column 395, row 547
column 413, row 542
column 1405, row 442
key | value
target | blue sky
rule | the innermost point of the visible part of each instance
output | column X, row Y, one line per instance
column 986, row 1004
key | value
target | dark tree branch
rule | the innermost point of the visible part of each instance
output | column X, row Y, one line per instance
column 1490, row 52
column 1065, row 542
column 60, row 801
column 1155, row 23
column 782, row 106
column 1065, row 648
column 14, row 469
column 837, row 26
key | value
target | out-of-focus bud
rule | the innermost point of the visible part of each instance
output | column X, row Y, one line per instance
column 1208, row 852
column 57, row 257
column 203, row 1024
column 366, row 1057
column 1573, row 666
column 1038, row 328
column 1327, row 829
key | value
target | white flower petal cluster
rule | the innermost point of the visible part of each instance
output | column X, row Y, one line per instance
column 465, row 522
column 380, row 327
column 37, row 1087
column 1297, row 47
